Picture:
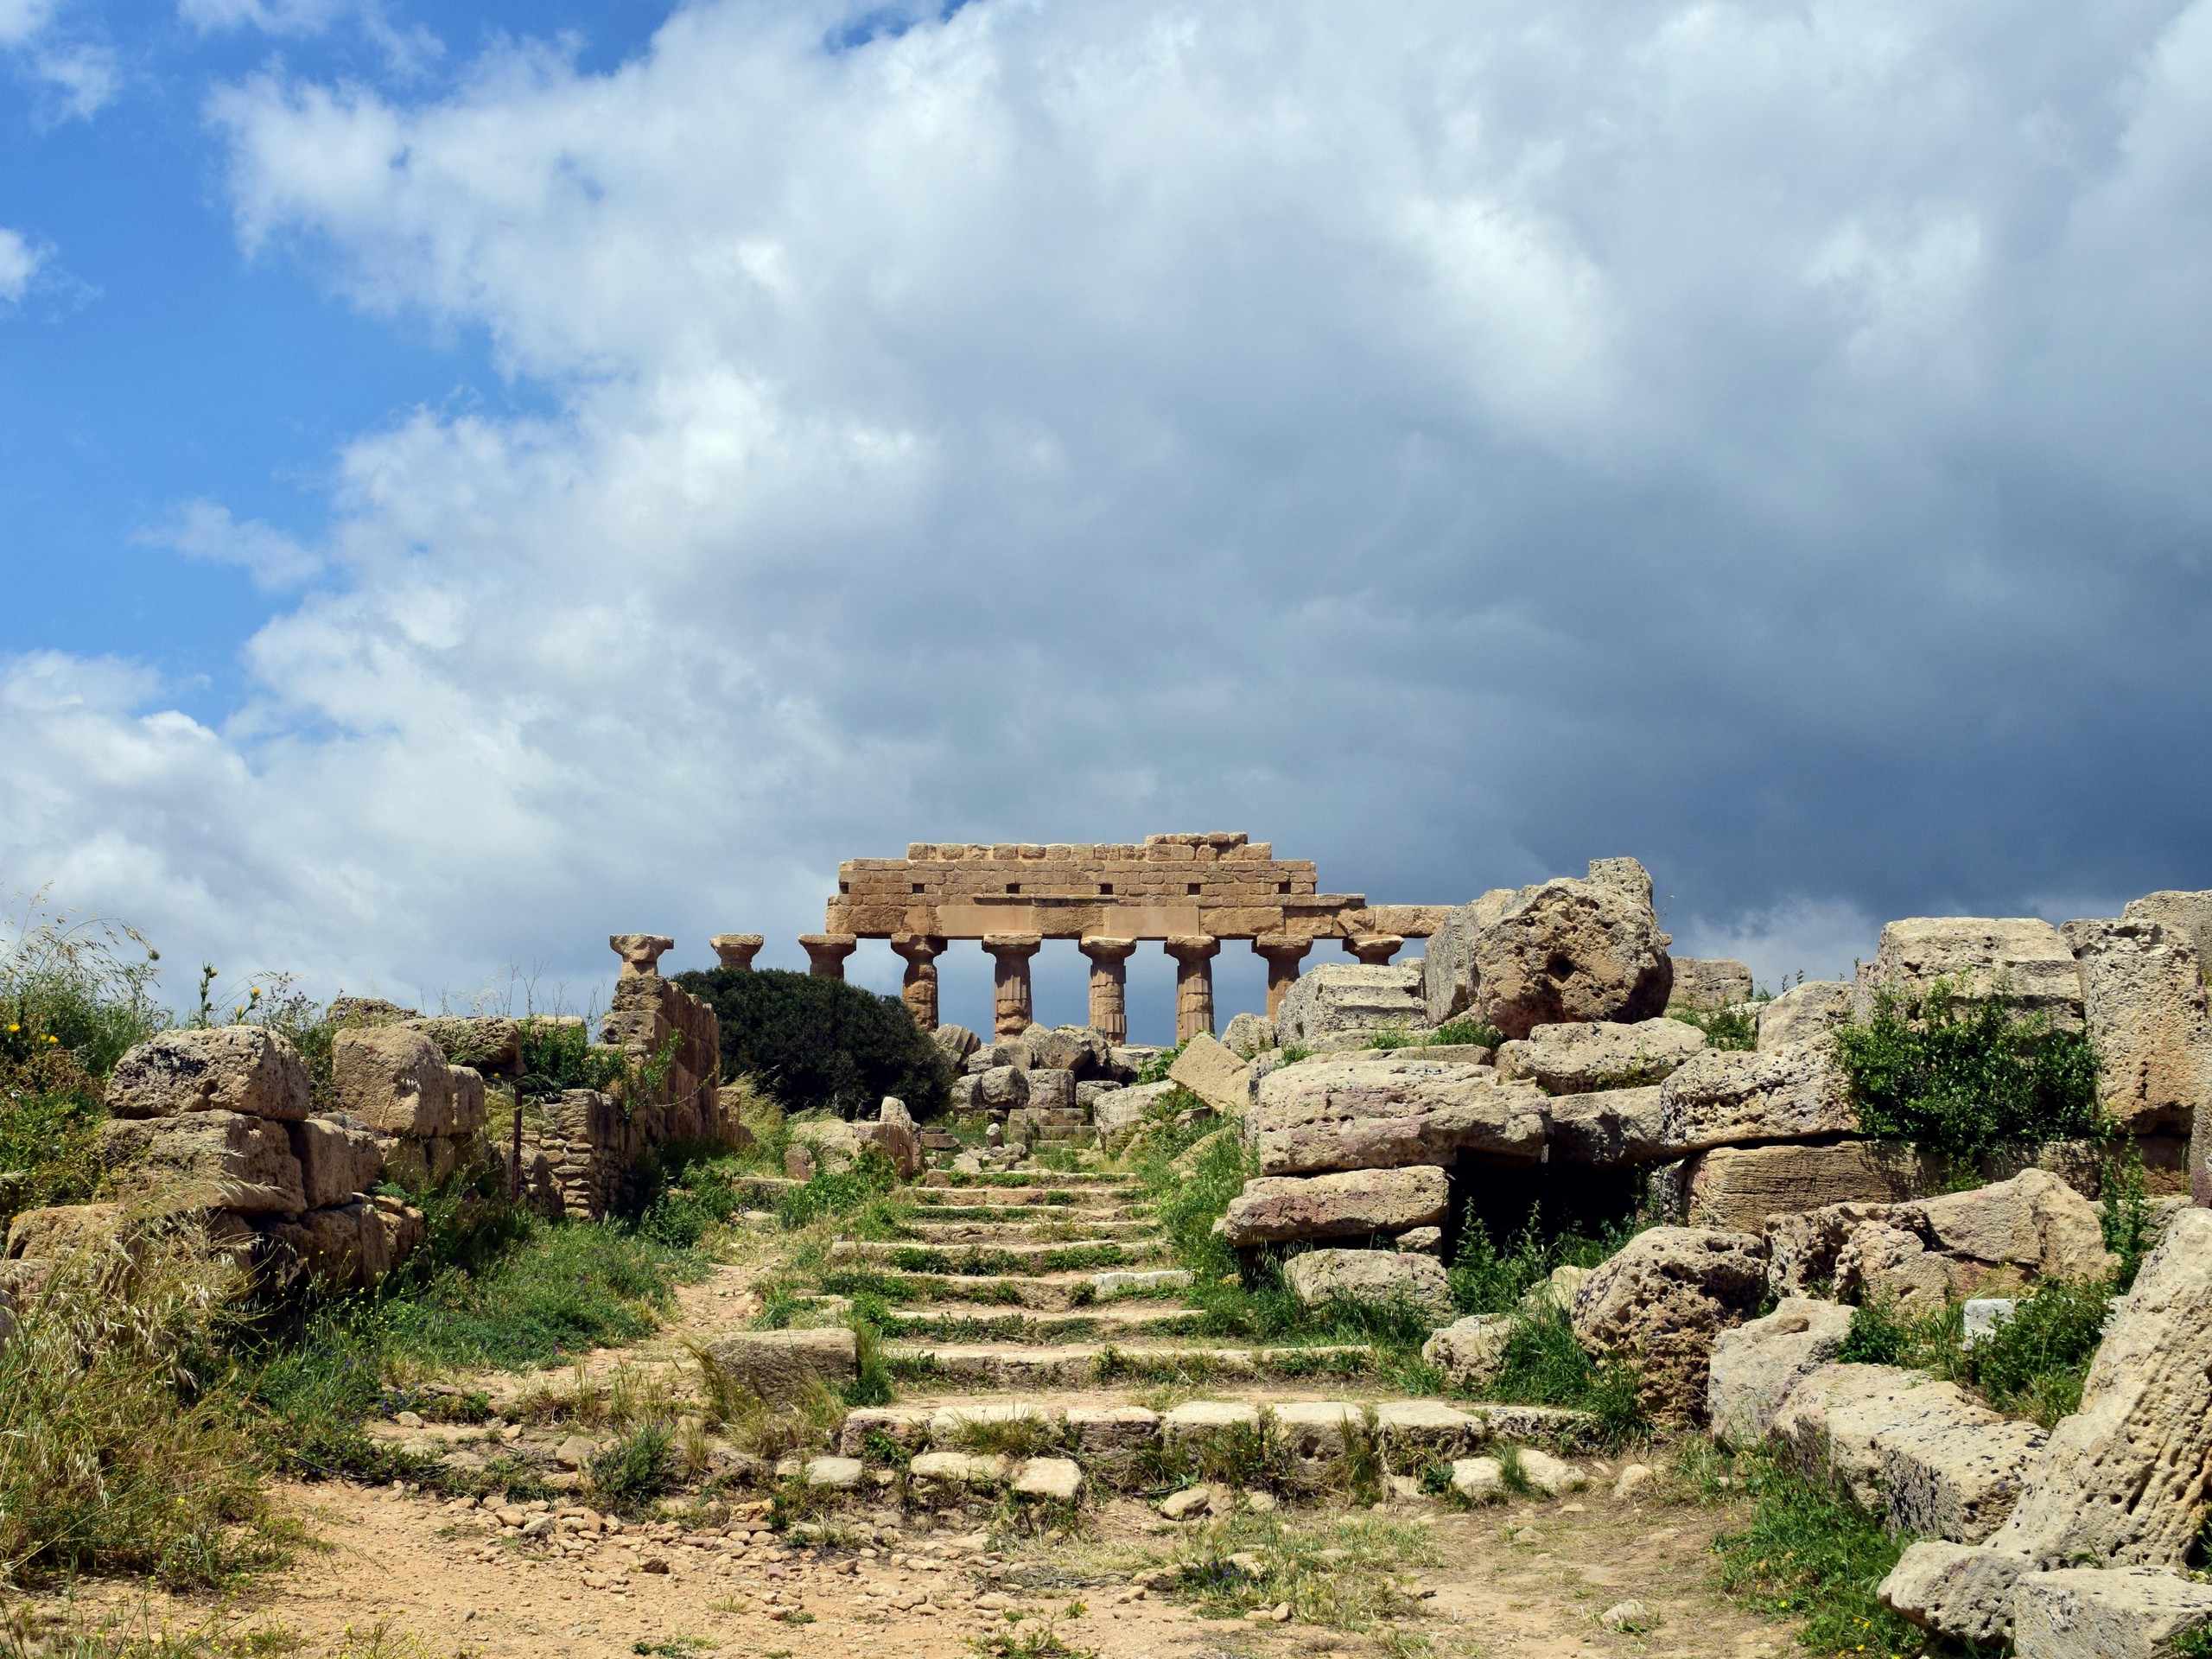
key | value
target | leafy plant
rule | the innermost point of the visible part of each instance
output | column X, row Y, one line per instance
column 558, row 1055
column 823, row 1043
column 1155, row 1070
column 1733, row 1027
column 1962, row 1076
column 2130, row 1222
column 635, row 1470
column 1468, row 1029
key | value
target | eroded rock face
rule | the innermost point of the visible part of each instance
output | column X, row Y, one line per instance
column 219, row 1159
column 239, row 1069
column 1608, row 1129
column 1118, row 1113
column 1319, row 1277
column 1386, row 1113
column 2021, row 959
column 1589, row 1056
column 1806, row 1012
column 1448, row 967
column 339, row 1157
column 1248, row 1034
column 1664, row 1300
column 487, row 1044
column 1468, row 1351
column 2129, row 1612
column 1719, row 982
column 2143, row 997
column 1339, row 1002
column 2188, row 914
column 780, row 1366
column 1727, row 1097
column 2122, row 1481
column 1570, row 951
column 1216, row 1076
column 1274, row 1209
column 1754, row 1366
column 63, row 1229
column 957, row 1041
column 1737, row 1188
column 395, row 1080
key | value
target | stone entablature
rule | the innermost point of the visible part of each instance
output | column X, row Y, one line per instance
column 1220, row 885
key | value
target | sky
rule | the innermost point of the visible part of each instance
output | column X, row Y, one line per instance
column 476, row 477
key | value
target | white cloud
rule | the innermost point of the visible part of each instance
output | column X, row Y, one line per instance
column 19, row 262
column 83, row 75
column 1770, row 442
column 21, row 19
column 205, row 530
column 407, row 50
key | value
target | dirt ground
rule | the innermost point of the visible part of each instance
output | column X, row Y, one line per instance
column 407, row 1577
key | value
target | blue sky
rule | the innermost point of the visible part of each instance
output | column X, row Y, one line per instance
column 475, row 478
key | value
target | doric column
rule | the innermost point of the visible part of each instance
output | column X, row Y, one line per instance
column 918, row 991
column 1283, row 952
column 1194, row 954
column 1109, row 985
column 737, row 950
column 1010, row 999
column 1375, row 949
column 826, row 953
column 640, row 952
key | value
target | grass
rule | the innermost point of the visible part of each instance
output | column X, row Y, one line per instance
column 1450, row 1032
column 1813, row 1555
column 1734, row 1029
column 1341, row 1574
column 2032, row 1365
column 637, row 1469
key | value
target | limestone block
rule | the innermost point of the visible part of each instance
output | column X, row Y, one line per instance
column 1607, row 1128
column 1570, row 951
column 1274, row 1209
column 2034, row 1221
column 2021, row 959
column 1118, row 1114
column 1215, row 1075
column 1065, row 1048
column 1963, row 1589
column 1719, row 983
column 1727, row 1097
column 905, row 1427
column 394, row 1080
column 1664, row 1301
column 1349, row 1000
column 1551, row 1475
column 1106, row 1431
column 2188, row 914
column 241, row 1069
column 469, row 1113
column 1755, row 1366
column 1955, row 1476
column 1248, row 1034
column 1806, row 1012
column 1881, row 1264
column 893, row 1132
column 338, row 1156
column 63, row 1229
column 1583, row 1057
column 1319, row 1277
column 223, row 1160
column 1201, row 1417
column 839, row 1474
column 957, row 1041
column 2143, row 999
column 487, row 1044
column 1051, row 1090
column 1056, row 1480
column 1003, row 1088
column 960, row 1468
column 342, row 1246
column 1738, row 1187
column 1425, row 1426
column 1448, row 970
column 1981, row 1317
column 1335, row 1114
column 1479, row 1480
column 1315, row 1428
column 783, row 1366
column 831, row 1143
column 1469, row 1351
column 2128, row 1613
column 1422, row 1241
column 1827, row 1422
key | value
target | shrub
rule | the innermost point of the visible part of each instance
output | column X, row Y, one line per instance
column 1468, row 1029
column 635, row 1470
column 557, row 1056
column 1486, row 1279
column 1961, row 1076
column 822, row 1043
column 2034, row 1363
column 1731, row 1028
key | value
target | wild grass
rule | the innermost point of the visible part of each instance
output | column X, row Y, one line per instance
column 1343, row 1574
column 2033, row 1364
column 1733, row 1027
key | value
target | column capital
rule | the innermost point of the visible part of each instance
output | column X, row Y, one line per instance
column 1014, row 946
column 1281, row 947
column 1107, row 950
column 1192, row 947
column 737, row 950
column 1375, row 950
column 826, row 953
column 917, row 947
column 640, row 952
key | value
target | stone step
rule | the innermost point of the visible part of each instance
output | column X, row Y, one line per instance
column 1087, row 1364
column 958, row 1234
column 1030, row 1256
column 975, row 1322
column 1043, row 1291
column 1069, row 1180
column 1026, row 1213
column 1055, row 1134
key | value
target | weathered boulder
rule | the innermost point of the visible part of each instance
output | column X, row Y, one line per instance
column 1569, row 950
column 1118, row 1114
column 2122, row 1612
column 240, row 1069
column 1728, row 1097
column 1469, row 1350
column 1379, row 1114
column 1339, row 1002
column 396, row 1080
column 1065, row 1048
column 957, row 1041
column 1719, row 982
column 1737, row 1188
column 2022, row 959
column 2188, row 914
column 223, row 1161
column 1274, row 1209
column 344, row 1246
column 1318, row 1276
column 1806, row 1012
column 1956, row 1478
column 1849, row 1399
column 832, row 1144
column 1662, row 1301
column 1051, row 1089
column 1607, row 1129
column 2122, row 1481
column 1002, row 1088
column 1448, row 967
column 63, row 1229
column 485, row 1043
column 1754, row 1367
column 782, row 1367
column 339, row 1157
column 893, row 1131
column 1248, row 1034
column 1215, row 1075
column 2143, row 1000
column 2034, row 1221
column 1584, row 1058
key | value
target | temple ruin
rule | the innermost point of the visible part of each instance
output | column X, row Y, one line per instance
column 1187, row 892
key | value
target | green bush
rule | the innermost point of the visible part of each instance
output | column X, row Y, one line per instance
column 635, row 1470
column 1961, row 1076
column 1734, row 1029
column 821, row 1044
column 1487, row 1280
column 2032, row 1365
column 557, row 1056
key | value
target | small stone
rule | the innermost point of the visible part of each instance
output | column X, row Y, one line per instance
column 1625, row 1615
column 1633, row 1479
column 1192, row 1500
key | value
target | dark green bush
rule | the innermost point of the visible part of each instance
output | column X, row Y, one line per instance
column 1962, row 1076
column 2033, row 1364
column 1487, row 1280
column 821, row 1043
column 635, row 1470
column 1731, row 1028
column 558, row 1057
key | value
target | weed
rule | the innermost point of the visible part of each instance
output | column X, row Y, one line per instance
column 2130, row 1222
column 1027, row 1640
column 1487, row 1280
column 1343, row 1574
column 832, row 1194
column 1962, row 1076
column 2033, row 1364
column 1728, row 1028
column 674, row 1647
column 1466, row 1029
column 1543, row 1364
column 635, row 1470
